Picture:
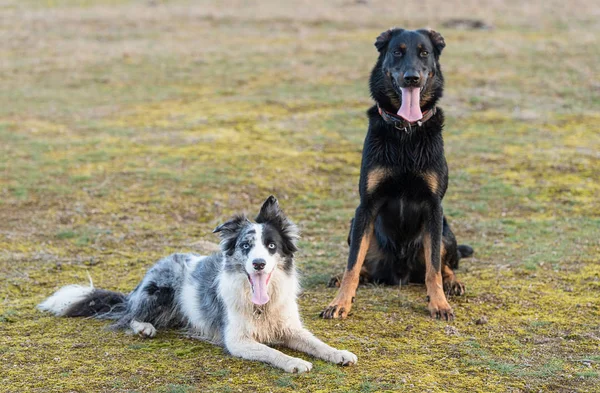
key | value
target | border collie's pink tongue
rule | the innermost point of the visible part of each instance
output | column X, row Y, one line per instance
column 411, row 104
column 259, row 288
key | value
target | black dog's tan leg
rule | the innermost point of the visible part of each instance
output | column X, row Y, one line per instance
column 363, row 278
column 452, row 287
column 336, row 281
column 432, row 243
column 362, row 231
column 341, row 305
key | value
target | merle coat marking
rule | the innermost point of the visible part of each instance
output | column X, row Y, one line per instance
column 242, row 298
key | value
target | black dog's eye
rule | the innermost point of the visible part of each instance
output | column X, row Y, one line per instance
column 245, row 246
column 272, row 246
column 397, row 52
column 424, row 53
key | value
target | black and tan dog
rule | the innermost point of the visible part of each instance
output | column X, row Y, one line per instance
column 399, row 233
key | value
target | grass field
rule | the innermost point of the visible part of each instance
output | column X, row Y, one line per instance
column 130, row 129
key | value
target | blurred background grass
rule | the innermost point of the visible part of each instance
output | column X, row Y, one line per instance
column 130, row 129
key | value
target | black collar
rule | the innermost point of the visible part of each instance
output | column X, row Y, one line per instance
column 400, row 123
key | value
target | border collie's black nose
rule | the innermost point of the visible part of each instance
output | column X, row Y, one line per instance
column 411, row 77
column 259, row 264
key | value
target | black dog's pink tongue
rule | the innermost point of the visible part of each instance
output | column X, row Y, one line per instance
column 411, row 104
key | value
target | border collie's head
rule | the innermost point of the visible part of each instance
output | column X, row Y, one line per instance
column 258, row 249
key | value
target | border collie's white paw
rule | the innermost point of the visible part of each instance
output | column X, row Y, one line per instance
column 344, row 358
column 295, row 365
column 144, row 329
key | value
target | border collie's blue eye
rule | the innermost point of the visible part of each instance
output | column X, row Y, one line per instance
column 397, row 52
column 272, row 246
column 245, row 246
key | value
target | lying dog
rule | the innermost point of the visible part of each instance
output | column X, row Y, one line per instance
column 242, row 297
column 399, row 233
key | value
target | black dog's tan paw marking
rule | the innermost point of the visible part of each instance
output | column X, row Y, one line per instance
column 334, row 312
column 440, row 309
column 335, row 281
column 454, row 288
column 338, row 309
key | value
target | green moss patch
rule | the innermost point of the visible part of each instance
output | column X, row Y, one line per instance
column 123, row 140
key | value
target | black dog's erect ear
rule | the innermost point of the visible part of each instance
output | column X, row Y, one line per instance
column 272, row 214
column 436, row 39
column 229, row 232
column 384, row 38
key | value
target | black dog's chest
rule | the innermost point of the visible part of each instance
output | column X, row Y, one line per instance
column 404, row 201
column 402, row 217
column 407, row 152
column 409, row 187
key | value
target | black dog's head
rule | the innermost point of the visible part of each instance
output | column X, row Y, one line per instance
column 407, row 78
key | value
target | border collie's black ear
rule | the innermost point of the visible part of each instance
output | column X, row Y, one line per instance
column 272, row 214
column 384, row 38
column 231, row 226
column 269, row 210
column 229, row 231
column 436, row 39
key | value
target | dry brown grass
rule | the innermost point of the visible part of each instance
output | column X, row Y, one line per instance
column 128, row 130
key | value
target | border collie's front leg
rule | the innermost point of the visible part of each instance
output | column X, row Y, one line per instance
column 247, row 348
column 304, row 341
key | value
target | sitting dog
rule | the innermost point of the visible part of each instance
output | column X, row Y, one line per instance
column 242, row 298
column 399, row 233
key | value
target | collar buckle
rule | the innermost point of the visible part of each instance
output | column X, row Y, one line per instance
column 398, row 126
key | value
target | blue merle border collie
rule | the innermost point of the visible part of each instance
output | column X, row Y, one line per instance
column 242, row 297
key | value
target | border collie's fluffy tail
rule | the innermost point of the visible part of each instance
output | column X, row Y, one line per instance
column 464, row 251
column 82, row 301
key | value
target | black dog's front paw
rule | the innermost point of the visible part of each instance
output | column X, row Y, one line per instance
column 454, row 288
column 335, row 281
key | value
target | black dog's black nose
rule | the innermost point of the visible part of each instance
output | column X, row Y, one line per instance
column 259, row 264
column 411, row 77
